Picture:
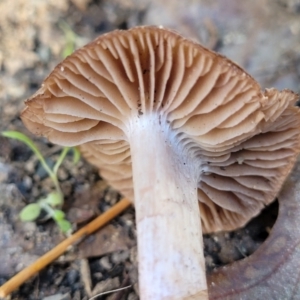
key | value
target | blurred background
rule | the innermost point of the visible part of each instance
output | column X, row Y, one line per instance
column 263, row 36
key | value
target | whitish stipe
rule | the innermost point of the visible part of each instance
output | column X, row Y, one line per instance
column 170, row 249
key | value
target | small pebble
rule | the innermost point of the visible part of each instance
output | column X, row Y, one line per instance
column 209, row 262
column 215, row 238
column 27, row 182
column 111, row 197
column 127, row 220
column 30, row 165
column 105, row 263
column 62, row 174
column 118, row 257
column 29, row 228
column 98, row 276
column 58, row 297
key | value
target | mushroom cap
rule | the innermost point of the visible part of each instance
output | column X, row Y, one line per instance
column 247, row 139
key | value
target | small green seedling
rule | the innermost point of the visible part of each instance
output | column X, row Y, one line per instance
column 52, row 203
column 70, row 38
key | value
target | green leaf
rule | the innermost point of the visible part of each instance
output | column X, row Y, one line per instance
column 64, row 225
column 58, row 215
column 54, row 199
column 30, row 212
column 68, row 49
column 70, row 38
column 26, row 140
column 76, row 155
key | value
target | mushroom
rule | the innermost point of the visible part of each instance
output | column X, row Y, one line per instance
column 183, row 131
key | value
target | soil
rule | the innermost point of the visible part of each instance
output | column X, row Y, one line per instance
column 262, row 36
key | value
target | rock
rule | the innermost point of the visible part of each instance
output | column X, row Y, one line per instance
column 105, row 263
column 27, row 182
column 29, row 165
column 62, row 174
column 118, row 257
column 58, row 297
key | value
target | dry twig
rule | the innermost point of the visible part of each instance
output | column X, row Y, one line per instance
column 47, row 258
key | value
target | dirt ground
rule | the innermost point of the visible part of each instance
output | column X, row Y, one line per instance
column 260, row 35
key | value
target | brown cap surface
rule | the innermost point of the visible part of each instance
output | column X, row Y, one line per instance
column 246, row 139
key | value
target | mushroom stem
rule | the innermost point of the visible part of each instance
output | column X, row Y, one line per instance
column 170, row 244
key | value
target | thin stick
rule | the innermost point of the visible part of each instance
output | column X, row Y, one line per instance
column 112, row 291
column 47, row 258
